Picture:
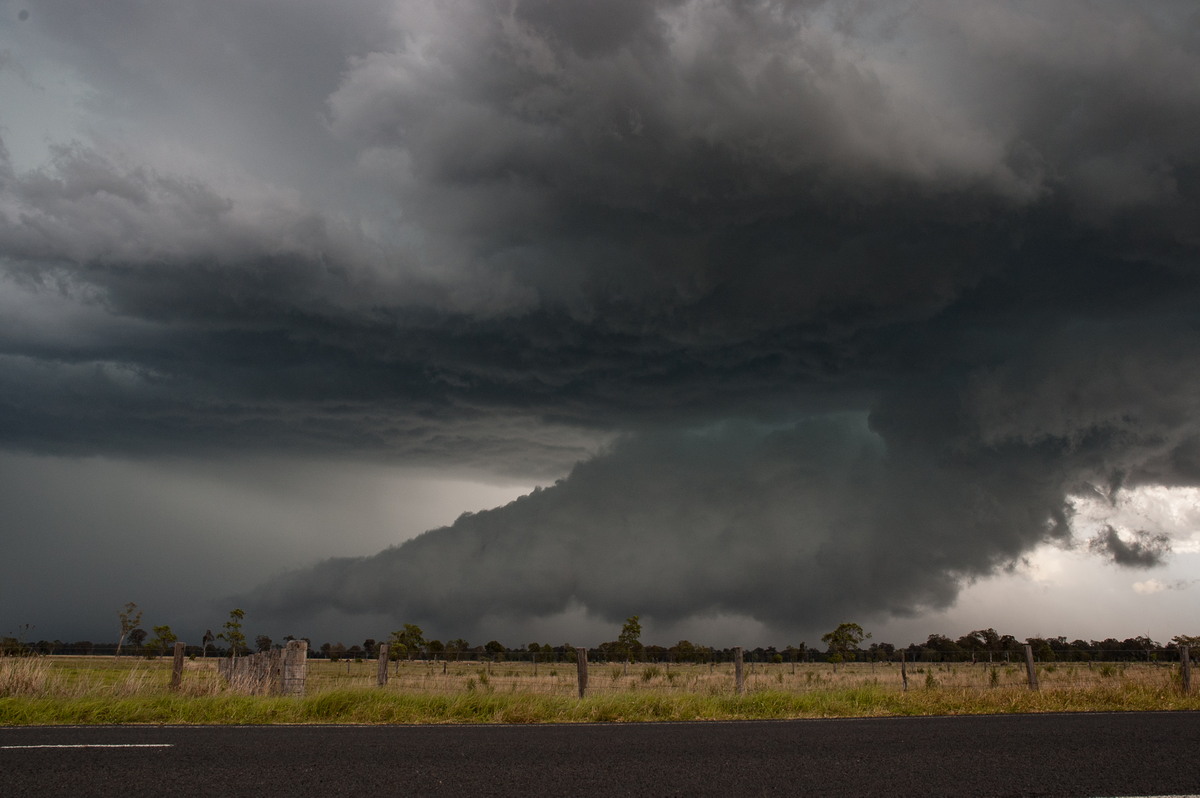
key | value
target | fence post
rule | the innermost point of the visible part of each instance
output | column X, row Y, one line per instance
column 177, row 667
column 1185, row 669
column 903, row 671
column 381, row 674
column 581, row 667
column 1030, row 669
column 738, row 679
column 295, row 668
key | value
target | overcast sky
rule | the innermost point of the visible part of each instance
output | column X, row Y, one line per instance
column 513, row 318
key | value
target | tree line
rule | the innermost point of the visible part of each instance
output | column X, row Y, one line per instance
column 845, row 643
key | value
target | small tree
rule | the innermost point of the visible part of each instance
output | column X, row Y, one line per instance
column 630, row 638
column 164, row 638
column 137, row 637
column 206, row 641
column 131, row 618
column 406, row 641
column 843, row 642
column 263, row 643
column 233, row 634
column 456, row 647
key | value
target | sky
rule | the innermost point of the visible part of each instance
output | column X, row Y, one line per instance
column 514, row 318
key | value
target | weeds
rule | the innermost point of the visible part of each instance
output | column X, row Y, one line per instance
column 23, row 676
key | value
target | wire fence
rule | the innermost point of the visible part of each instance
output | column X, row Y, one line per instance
column 539, row 674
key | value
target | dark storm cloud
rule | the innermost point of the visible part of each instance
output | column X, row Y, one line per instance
column 1146, row 550
column 792, row 526
column 725, row 233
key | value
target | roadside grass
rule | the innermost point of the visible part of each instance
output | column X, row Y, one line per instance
column 57, row 691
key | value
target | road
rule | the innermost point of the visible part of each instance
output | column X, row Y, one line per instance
column 1012, row 755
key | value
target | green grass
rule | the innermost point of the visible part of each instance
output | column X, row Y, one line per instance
column 366, row 706
column 48, row 692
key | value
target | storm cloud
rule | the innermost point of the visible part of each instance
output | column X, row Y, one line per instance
column 812, row 310
column 1146, row 550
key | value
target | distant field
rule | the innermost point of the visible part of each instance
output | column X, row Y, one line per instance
column 69, row 689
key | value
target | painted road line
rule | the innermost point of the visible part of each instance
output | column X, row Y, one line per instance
column 89, row 745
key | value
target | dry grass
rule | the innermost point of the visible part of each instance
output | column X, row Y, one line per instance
column 103, row 690
column 711, row 679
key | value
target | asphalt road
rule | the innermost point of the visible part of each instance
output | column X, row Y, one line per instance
column 1012, row 755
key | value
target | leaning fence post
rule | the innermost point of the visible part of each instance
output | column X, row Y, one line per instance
column 903, row 672
column 295, row 668
column 1033, row 682
column 738, row 680
column 177, row 667
column 381, row 674
column 1185, row 669
column 581, row 668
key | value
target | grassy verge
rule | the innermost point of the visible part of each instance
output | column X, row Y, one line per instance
column 362, row 705
column 37, row 692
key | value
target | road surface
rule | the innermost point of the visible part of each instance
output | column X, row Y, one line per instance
column 1121, row 754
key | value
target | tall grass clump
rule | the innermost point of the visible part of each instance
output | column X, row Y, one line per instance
column 23, row 676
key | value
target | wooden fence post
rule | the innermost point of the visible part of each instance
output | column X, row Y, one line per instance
column 177, row 667
column 1185, row 669
column 903, row 671
column 581, row 667
column 381, row 674
column 295, row 668
column 1030, row 669
column 738, row 679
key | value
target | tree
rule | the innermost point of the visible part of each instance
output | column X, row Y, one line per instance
column 941, row 648
column 495, row 648
column 131, row 618
column 1041, row 648
column 164, row 638
column 1191, row 641
column 407, row 641
column 263, row 643
column 233, row 634
column 685, row 651
column 206, row 641
column 843, row 641
column 137, row 637
column 456, row 647
column 630, row 638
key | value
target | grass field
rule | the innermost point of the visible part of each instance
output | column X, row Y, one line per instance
column 71, row 690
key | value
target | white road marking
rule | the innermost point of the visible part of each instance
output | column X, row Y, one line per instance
column 91, row 745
